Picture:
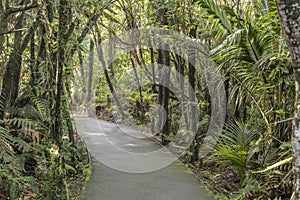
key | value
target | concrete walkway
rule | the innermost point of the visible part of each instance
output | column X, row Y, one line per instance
column 118, row 175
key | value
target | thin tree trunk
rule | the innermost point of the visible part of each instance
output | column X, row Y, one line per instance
column 137, row 79
column 111, row 55
column 142, row 63
column 290, row 22
column 110, row 85
column 82, row 73
column 160, row 92
column 154, row 90
column 166, row 94
column 137, row 82
column 32, row 58
column 3, row 26
column 153, row 70
column 91, row 68
column 164, row 58
column 192, row 100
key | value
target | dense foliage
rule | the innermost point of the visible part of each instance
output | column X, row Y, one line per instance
column 252, row 158
column 49, row 53
column 39, row 151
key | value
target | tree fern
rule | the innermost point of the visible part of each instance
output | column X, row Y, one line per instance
column 26, row 120
column 11, row 169
column 17, row 185
column 251, row 188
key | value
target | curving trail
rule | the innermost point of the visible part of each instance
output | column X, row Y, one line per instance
column 173, row 182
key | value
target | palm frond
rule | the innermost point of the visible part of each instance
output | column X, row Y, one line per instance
column 218, row 19
column 235, row 143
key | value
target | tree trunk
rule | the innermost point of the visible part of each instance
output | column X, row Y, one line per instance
column 111, row 55
column 5, row 11
column 166, row 93
column 41, row 59
column 11, row 78
column 110, row 85
column 59, row 66
column 139, row 103
column 192, row 101
column 153, row 70
column 10, row 84
column 136, row 77
column 3, row 26
column 60, row 62
column 32, row 60
column 91, row 67
column 160, row 93
column 82, row 73
column 290, row 22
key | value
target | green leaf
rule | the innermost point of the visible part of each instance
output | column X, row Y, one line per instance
column 68, row 167
column 287, row 160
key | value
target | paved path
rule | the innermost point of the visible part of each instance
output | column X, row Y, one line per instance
column 114, row 179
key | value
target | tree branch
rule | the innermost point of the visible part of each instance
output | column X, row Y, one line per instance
column 91, row 22
column 11, row 10
column 13, row 31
